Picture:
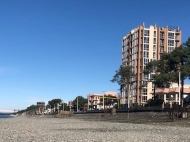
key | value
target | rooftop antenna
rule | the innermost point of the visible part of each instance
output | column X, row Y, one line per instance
column 155, row 26
column 143, row 24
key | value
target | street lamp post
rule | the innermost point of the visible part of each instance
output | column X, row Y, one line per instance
column 128, row 96
column 63, row 105
column 112, row 103
column 54, row 108
column 77, row 103
column 103, row 101
column 58, row 107
column 179, row 88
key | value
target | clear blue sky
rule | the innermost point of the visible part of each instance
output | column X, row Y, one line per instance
column 65, row 48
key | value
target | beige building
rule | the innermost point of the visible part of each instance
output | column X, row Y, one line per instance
column 94, row 100
column 171, row 94
column 140, row 46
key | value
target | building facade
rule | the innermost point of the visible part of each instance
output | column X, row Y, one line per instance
column 41, row 106
column 140, row 46
column 95, row 100
column 171, row 94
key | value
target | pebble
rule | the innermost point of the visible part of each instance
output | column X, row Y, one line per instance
column 41, row 129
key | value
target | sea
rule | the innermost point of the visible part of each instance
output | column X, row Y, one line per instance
column 5, row 116
column 2, row 115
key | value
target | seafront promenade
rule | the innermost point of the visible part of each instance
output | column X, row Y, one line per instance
column 43, row 129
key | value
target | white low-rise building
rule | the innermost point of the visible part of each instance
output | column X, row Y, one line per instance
column 171, row 94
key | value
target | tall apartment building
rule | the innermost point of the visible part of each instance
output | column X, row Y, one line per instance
column 140, row 46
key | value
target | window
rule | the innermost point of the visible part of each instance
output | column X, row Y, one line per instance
column 161, row 42
column 170, row 49
column 154, row 47
column 153, row 69
column 176, row 44
column 152, row 85
column 144, row 98
column 146, row 32
column 146, row 39
column 171, row 35
column 145, row 76
column 144, row 67
column 146, row 47
column 144, row 91
column 154, row 40
column 131, row 78
column 133, row 44
column 145, row 54
column 154, row 55
column 167, row 96
column 146, row 61
column 154, row 33
column 144, row 83
column 151, row 76
column 161, row 49
column 176, row 36
column 170, row 42
column 133, row 37
column 161, row 35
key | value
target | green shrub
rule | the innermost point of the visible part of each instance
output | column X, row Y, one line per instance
column 156, row 102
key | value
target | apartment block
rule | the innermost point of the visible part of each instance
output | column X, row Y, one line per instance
column 94, row 100
column 140, row 46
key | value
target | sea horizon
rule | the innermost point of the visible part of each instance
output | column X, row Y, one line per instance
column 5, row 116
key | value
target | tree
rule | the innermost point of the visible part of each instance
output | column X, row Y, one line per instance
column 152, row 102
column 82, row 102
column 123, row 77
column 66, row 107
column 158, row 80
column 54, row 103
column 32, row 107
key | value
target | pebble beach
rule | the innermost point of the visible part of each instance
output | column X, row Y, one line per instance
column 41, row 129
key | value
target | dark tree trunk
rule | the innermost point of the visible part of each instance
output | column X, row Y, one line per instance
column 182, row 81
column 154, row 90
column 182, row 86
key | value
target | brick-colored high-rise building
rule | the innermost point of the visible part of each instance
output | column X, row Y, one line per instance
column 140, row 46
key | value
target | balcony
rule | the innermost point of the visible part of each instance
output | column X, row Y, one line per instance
column 161, row 50
column 176, row 39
